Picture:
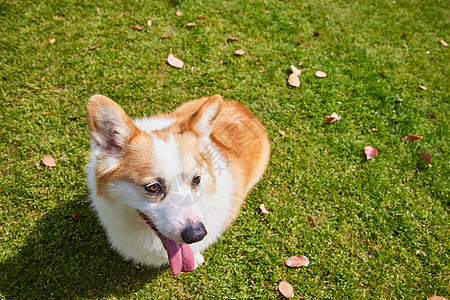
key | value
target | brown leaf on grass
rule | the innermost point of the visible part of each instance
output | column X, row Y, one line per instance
column 436, row 297
column 42, row 79
column 426, row 156
column 263, row 209
column 52, row 41
column 93, row 47
column 443, row 43
column 233, row 39
column 175, row 62
column 432, row 115
column 316, row 33
column 311, row 221
column 411, row 137
column 49, row 161
column 294, row 80
column 321, row 74
column 203, row 17
column 139, row 28
column 178, row 13
column 295, row 70
column 190, row 24
column 239, row 52
column 286, row 289
column 331, row 118
column 164, row 36
column 370, row 152
column 297, row 261
column 423, row 87
column 281, row 132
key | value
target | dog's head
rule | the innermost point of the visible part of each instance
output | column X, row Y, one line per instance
column 161, row 174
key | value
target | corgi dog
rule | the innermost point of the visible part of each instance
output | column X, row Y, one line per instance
column 166, row 187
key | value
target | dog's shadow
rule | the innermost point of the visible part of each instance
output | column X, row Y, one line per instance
column 66, row 255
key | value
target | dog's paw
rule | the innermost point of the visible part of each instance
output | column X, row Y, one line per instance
column 199, row 259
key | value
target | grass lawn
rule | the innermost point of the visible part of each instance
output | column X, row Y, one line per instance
column 382, row 225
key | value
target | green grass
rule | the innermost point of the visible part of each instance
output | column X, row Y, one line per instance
column 382, row 224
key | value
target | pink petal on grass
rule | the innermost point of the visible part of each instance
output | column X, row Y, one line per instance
column 294, row 80
column 286, row 289
column 263, row 209
column 190, row 24
column 423, row 87
column 52, row 41
column 295, row 70
column 178, row 13
column 370, row 152
column 49, row 161
column 411, row 137
column 175, row 62
column 297, row 261
column 443, row 43
column 239, row 52
column 331, row 118
column 321, row 74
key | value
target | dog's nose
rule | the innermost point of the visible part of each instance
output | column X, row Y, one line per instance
column 194, row 233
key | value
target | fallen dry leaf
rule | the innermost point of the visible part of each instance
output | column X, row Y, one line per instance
column 411, row 137
column 190, row 24
column 311, row 221
column 42, row 79
column 52, row 41
column 46, row 113
column 137, row 28
column 149, row 23
column 370, row 152
column 321, row 74
column 49, row 161
column 175, row 62
column 93, row 47
column 331, row 118
column 374, row 129
column 436, row 297
column 297, row 261
column 263, row 209
column 295, row 70
column 281, row 132
column 443, row 43
column 164, row 36
column 239, row 52
column 286, row 289
column 294, row 80
column 233, row 39
column 432, row 115
column 178, row 13
column 423, row 87
column 203, row 17
column 426, row 156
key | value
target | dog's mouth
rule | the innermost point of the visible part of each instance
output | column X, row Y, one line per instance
column 180, row 256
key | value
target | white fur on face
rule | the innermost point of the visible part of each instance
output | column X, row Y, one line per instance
column 180, row 205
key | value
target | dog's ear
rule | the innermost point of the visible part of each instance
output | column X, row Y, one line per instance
column 110, row 127
column 203, row 120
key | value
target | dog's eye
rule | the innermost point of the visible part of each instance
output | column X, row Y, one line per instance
column 196, row 180
column 153, row 188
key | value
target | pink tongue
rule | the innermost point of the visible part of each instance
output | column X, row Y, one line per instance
column 181, row 258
